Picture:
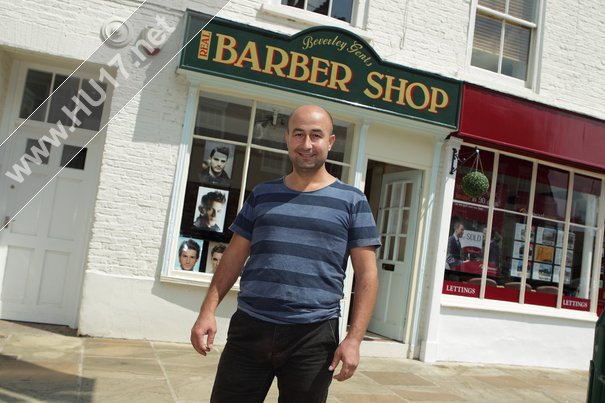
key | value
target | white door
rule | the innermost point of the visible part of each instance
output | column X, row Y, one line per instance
column 43, row 249
column 397, row 224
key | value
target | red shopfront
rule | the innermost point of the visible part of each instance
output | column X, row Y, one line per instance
column 547, row 176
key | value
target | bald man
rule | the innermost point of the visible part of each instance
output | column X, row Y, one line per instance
column 294, row 235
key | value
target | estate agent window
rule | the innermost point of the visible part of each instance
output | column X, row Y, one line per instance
column 532, row 236
column 236, row 144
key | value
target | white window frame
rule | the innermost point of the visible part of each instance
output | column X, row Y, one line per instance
column 358, row 14
column 168, row 273
column 502, row 81
column 482, row 303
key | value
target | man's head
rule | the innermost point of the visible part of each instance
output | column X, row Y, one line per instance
column 309, row 137
column 218, row 160
column 459, row 229
column 189, row 253
column 211, row 207
column 216, row 254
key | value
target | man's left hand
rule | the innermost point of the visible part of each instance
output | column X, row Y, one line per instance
column 347, row 353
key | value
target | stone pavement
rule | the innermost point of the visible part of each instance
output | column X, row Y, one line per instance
column 43, row 363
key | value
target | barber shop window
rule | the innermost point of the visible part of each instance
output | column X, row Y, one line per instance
column 236, row 144
column 531, row 239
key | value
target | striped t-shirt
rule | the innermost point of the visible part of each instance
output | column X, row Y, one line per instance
column 300, row 243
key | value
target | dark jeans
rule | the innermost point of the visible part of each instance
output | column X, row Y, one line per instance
column 257, row 351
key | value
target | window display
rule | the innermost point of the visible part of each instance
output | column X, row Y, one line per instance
column 553, row 265
column 236, row 144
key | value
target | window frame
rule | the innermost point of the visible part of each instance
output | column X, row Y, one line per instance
column 450, row 299
column 168, row 272
column 358, row 13
column 478, row 74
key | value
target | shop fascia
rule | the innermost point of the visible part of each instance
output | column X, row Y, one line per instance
column 328, row 62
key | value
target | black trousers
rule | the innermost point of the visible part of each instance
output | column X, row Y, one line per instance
column 257, row 351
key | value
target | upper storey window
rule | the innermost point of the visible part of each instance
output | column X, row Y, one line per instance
column 504, row 40
column 339, row 9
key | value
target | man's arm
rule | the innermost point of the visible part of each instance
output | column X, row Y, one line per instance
column 226, row 274
column 366, row 287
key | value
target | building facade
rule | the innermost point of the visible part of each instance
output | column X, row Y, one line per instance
column 118, row 189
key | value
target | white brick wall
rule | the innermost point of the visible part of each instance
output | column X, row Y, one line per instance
column 5, row 62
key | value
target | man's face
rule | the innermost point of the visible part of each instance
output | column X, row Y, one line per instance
column 188, row 259
column 217, row 163
column 460, row 231
column 309, row 138
column 211, row 211
column 216, row 258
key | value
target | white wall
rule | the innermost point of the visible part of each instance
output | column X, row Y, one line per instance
column 468, row 335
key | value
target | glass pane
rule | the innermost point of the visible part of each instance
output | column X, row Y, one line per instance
column 497, row 5
column 408, row 195
column 342, row 148
column 513, row 184
column 585, row 200
column 405, row 220
column 37, row 89
column 342, row 10
column 551, row 192
column 576, row 291
column 516, row 51
column 224, row 118
column 391, row 248
column 401, row 251
column 387, row 198
column 73, row 157
column 464, row 252
column 40, row 151
column 505, row 255
column 294, row 3
column 484, row 162
column 385, row 220
column 523, row 9
column 396, row 195
column 62, row 97
column 318, row 6
column 92, row 121
column 392, row 226
column 269, row 128
column 381, row 250
column 486, row 43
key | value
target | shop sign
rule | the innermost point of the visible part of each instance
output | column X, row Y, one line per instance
column 327, row 62
column 460, row 288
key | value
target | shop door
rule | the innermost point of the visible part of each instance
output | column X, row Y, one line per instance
column 42, row 251
column 397, row 223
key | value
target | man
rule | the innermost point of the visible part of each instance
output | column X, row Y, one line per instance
column 216, row 254
column 189, row 253
column 210, row 208
column 295, row 235
column 215, row 173
column 454, row 249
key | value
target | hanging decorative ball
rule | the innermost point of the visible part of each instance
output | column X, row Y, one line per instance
column 475, row 184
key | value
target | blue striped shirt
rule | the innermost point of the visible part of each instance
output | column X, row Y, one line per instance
column 300, row 243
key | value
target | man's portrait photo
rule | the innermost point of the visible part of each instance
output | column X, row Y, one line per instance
column 189, row 253
column 210, row 209
column 215, row 253
column 218, row 164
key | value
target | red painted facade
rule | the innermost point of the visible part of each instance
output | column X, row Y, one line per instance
column 531, row 128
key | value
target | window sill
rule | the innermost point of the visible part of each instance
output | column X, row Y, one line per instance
column 454, row 301
column 194, row 279
column 309, row 18
column 498, row 82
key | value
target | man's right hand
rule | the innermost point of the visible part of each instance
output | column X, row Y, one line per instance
column 204, row 326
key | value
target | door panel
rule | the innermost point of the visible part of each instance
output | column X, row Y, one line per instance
column 397, row 222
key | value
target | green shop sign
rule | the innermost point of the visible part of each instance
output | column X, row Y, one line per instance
column 326, row 62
